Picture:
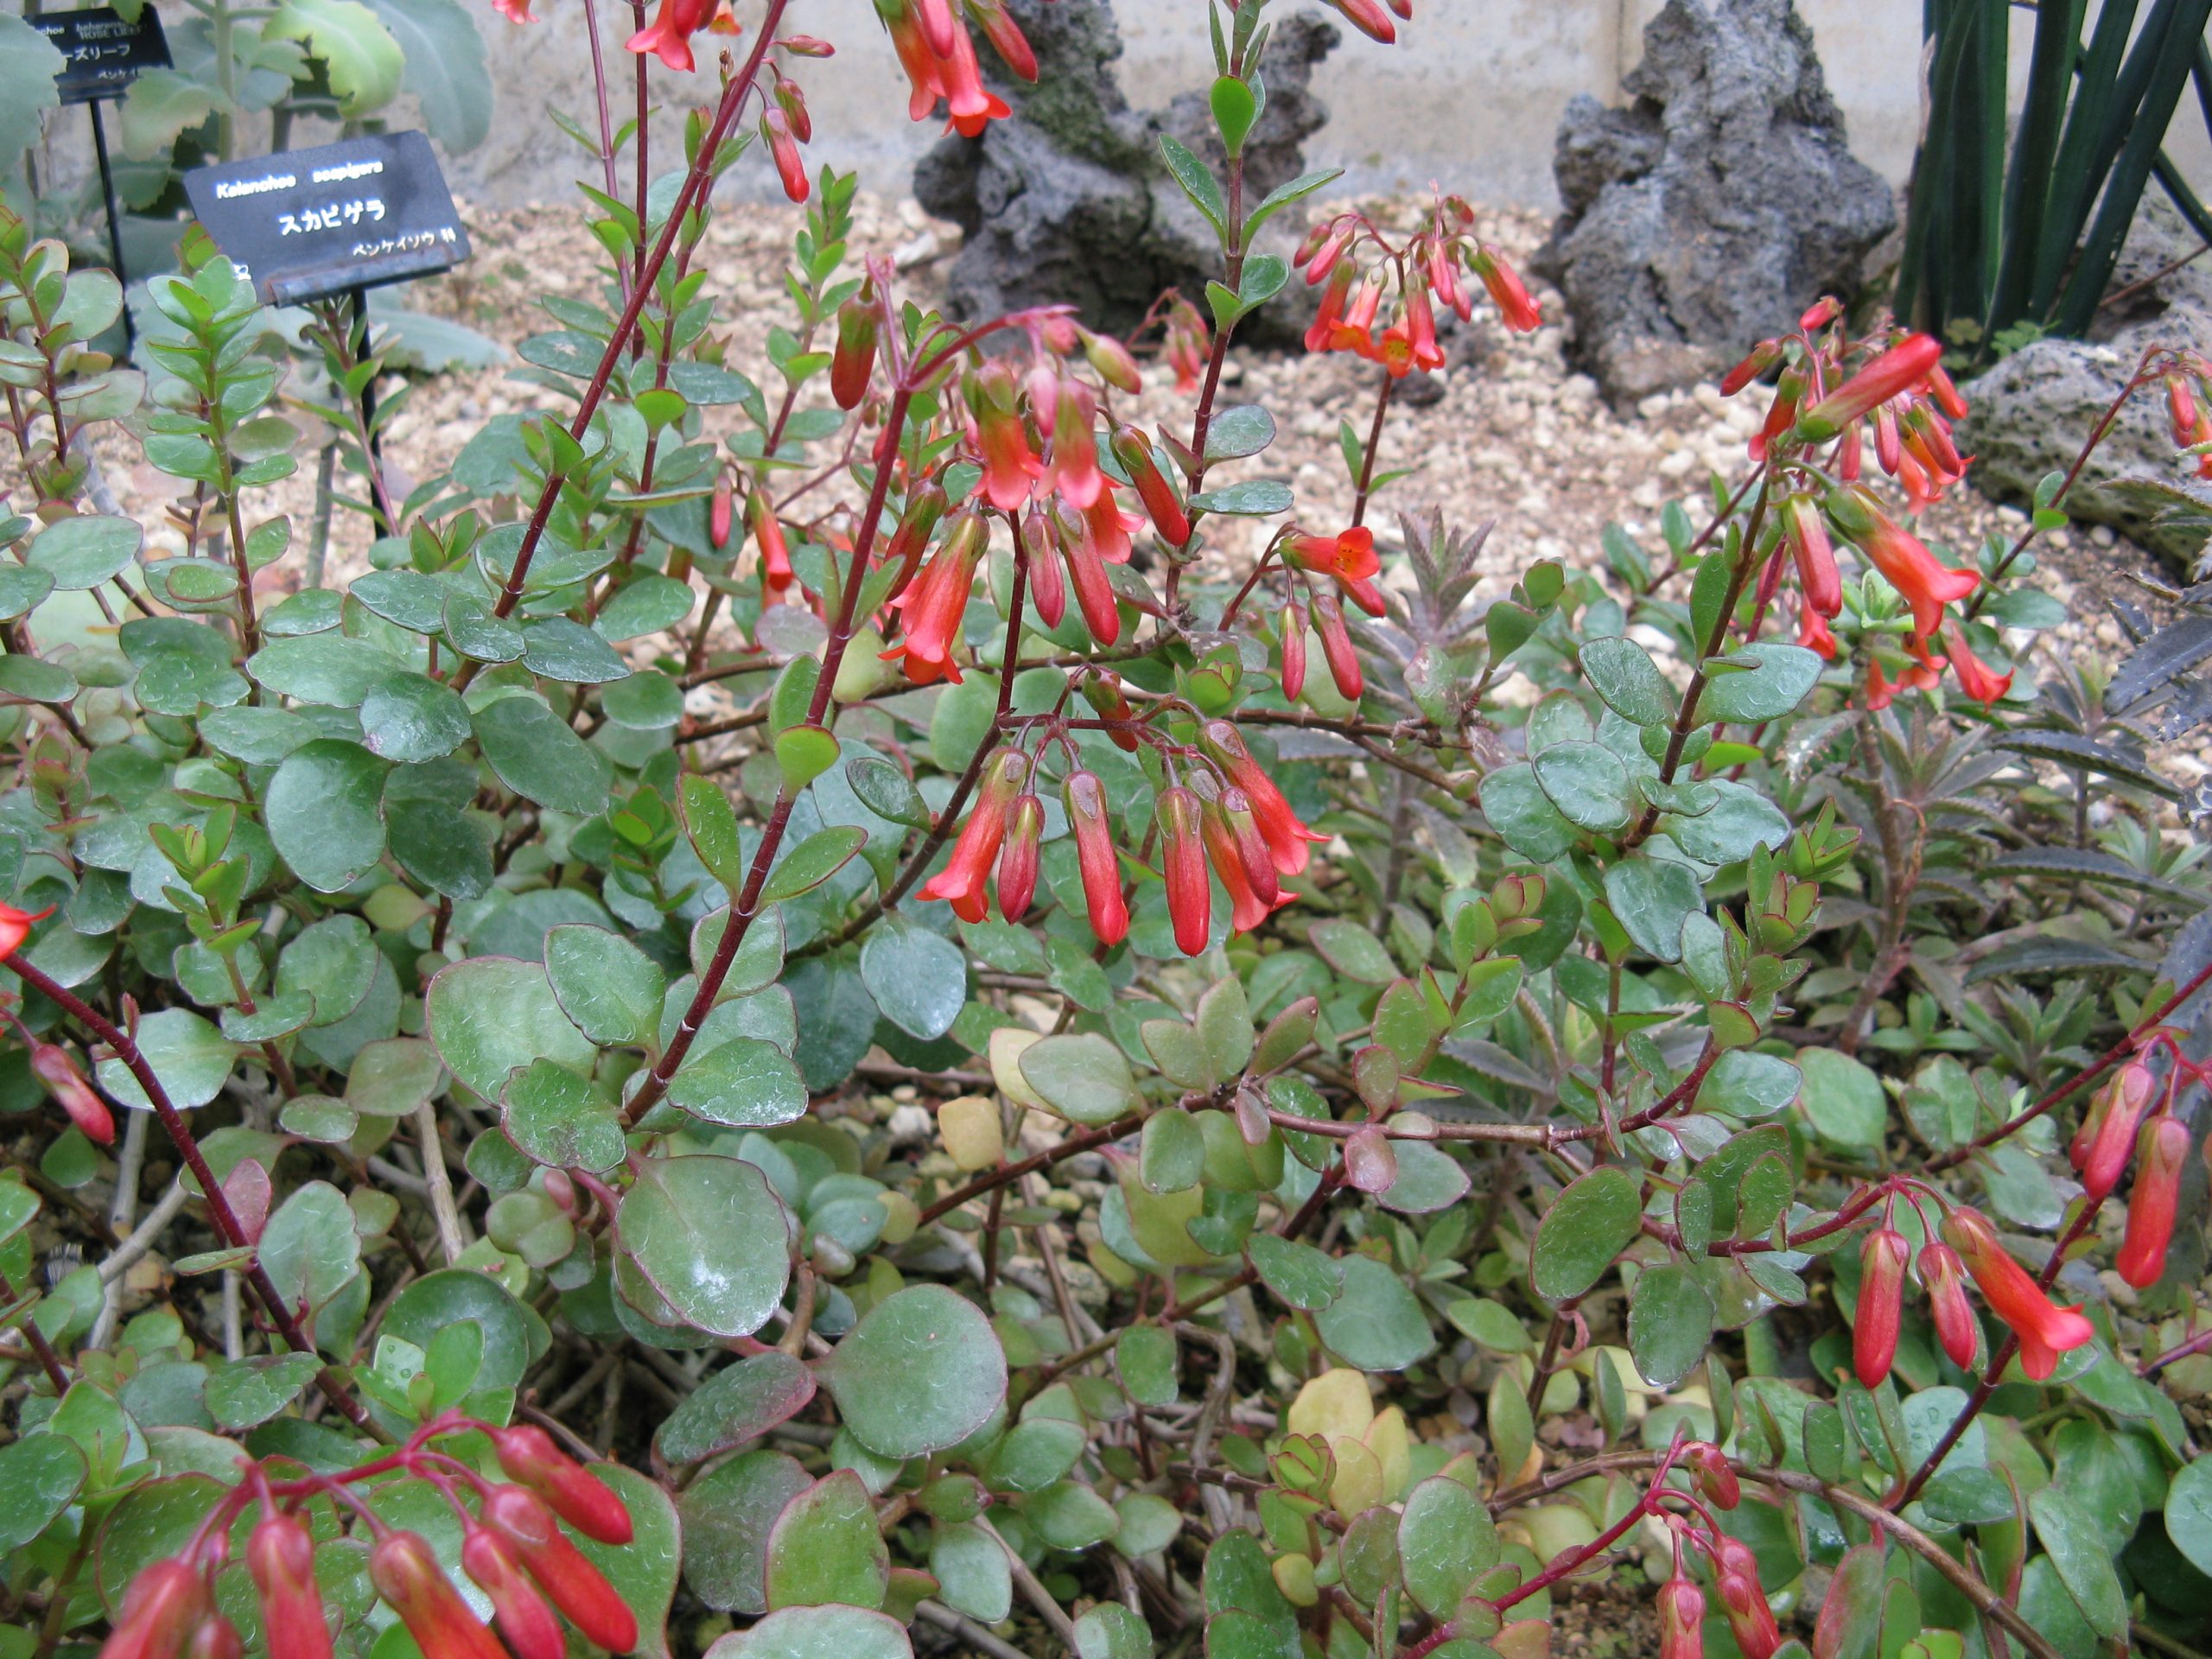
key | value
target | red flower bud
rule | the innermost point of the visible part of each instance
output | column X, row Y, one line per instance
column 574, row 1585
column 1183, row 861
column 1808, row 533
column 854, row 361
column 1018, row 861
column 1094, row 592
column 1681, row 1620
column 1152, row 486
column 1074, row 469
column 935, row 603
column 1110, row 361
column 2120, row 1107
column 1369, row 18
column 1882, row 1259
column 528, row 1454
column 1955, row 1328
column 2161, row 1152
column 523, row 1618
column 51, row 1064
column 1710, row 1468
column 161, row 1609
column 406, row 1574
column 1085, row 797
column 1104, row 695
column 1010, row 468
column 1764, row 356
column 1823, row 312
column 1521, row 313
column 768, row 535
column 961, row 881
column 1899, row 370
column 1337, row 647
column 2045, row 1329
column 1239, row 855
column 280, row 1555
column 1048, row 587
column 721, row 514
column 926, row 506
column 1751, row 1619
column 2181, row 405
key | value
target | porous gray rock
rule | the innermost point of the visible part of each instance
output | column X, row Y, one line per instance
column 2030, row 414
column 1708, row 214
column 1067, row 201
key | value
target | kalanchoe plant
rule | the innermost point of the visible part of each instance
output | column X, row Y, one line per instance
column 1410, row 1092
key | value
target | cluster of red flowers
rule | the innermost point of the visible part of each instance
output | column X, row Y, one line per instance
column 1424, row 272
column 512, row 1548
column 1735, row 1570
column 1223, row 809
column 939, row 58
column 1349, row 559
column 1910, row 402
column 1035, row 437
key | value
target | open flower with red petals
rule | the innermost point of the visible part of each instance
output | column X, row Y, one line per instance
column 963, row 881
column 1926, row 583
column 935, row 604
column 2045, row 1330
column 668, row 37
column 1286, row 837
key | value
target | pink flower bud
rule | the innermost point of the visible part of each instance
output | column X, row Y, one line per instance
column 1183, row 861
column 574, row 1585
column 280, row 1555
column 51, row 1064
column 1048, row 587
column 1681, row 1620
column 528, row 1454
column 1018, row 860
column 1085, row 797
column 1336, row 646
column 1955, row 1328
column 161, row 1609
column 407, row 1575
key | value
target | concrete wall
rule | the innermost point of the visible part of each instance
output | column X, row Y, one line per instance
column 1470, row 96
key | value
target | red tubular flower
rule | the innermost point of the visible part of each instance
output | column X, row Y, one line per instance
column 1369, row 18
column 926, row 506
column 668, row 37
column 1109, row 527
column 16, row 926
column 280, row 1555
column 1238, row 853
column 1293, row 651
column 2045, row 1329
column 768, row 535
column 1781, row 414
column 1085, row 797
column 1048, row 587
column 216, row 1638
column 1976, row 679
column 1187, row 344
column 1326, row 319
column 1443, row 266
column 1681, row 1620
column 406, row 1574
column 721, row 515
column 1813, row 633
column 528, row 1454
column 515, row 11
column 2161, row 1152
column 1521, row 313
column 1940, row 1270
column 1152, row 486
column 939, row 27
column 1903, row 559
column 924, row 75
column 1420, row 327
column 1899, row 370
column 1355, row 330
column 1010, row 470
column 52, row 1066
column 972, row 107
column 1094, row 593
column 1074, row 471
column 568, row 1580
column 1882, row 1259
column 2119, row 1108
column 161, row 1609
column 1880, row 694
column 1335, row 645
column 1018, row 863
column 935, row 602
column 1931, row 434
column 961, row 882
column 521, row 1615
column 1808, row 533
column 2181, row 406
column 1286, row 836
column 1183, row 861
column 1349, row 557
column 854, row 361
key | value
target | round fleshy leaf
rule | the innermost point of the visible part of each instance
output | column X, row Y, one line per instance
column 709, row 1236
column 922, row 1371
column 818, row 1633
column 489, row 1015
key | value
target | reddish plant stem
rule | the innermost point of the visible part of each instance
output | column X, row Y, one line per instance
column 2196, row 1344
column 642, row 138
column 2120, row 1051
column 48, row 1359
column 625, row 328
column 746, row 903
column 1006, row 1175
column 188, row 1146
column 606, row 125
column 1366, row 486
